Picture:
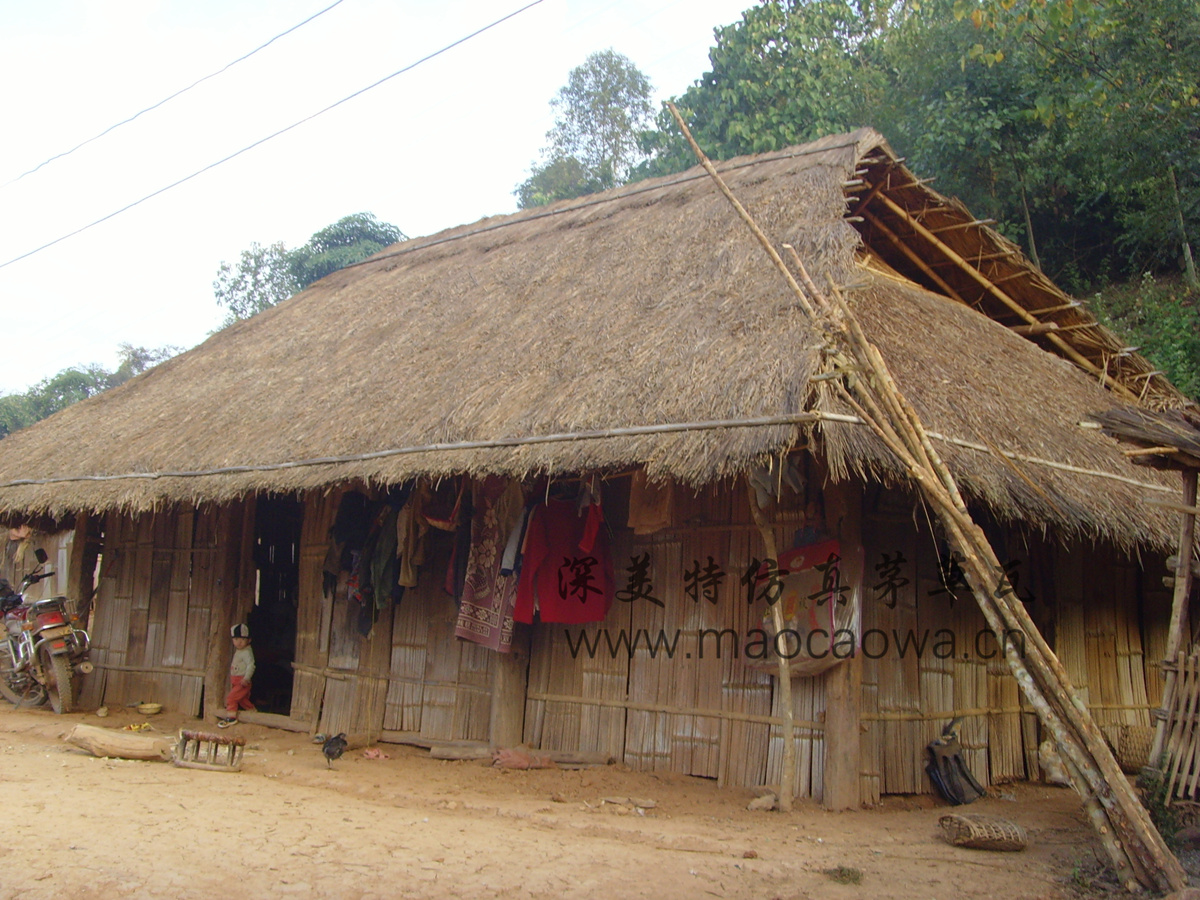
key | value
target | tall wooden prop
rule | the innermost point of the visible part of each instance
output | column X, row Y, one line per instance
column 1136, row 849
column 1179, row 605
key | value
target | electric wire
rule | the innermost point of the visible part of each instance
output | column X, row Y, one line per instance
column 269, row 137
column 168, row 99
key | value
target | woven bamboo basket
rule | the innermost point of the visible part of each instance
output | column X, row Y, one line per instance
column 1133, row 747
column 983, row 832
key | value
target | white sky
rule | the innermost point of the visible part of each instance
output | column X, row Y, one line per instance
column 442, row 145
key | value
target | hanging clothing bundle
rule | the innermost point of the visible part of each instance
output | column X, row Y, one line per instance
column 362, row 565
column 485, row 609
column 566, row 574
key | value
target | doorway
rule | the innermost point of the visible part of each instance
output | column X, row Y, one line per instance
column 277, row 523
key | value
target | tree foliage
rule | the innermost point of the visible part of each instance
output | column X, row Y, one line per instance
column 1121, row 80
column 788, row 72
column 265, row 276
column 74, row 384
column 594, row 144
column 1074, row 123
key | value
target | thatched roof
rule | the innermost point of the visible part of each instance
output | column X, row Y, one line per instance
column 1165, row 439
column 646, row 306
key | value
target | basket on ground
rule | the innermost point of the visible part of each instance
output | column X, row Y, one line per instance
column 983, row 832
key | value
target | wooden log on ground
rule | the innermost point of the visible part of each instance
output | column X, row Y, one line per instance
column 121, row 744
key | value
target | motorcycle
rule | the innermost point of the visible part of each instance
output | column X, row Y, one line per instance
column 44, row 646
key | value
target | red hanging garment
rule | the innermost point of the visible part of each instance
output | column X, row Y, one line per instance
column 566, row 575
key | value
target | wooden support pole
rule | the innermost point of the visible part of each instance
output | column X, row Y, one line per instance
column 1179, row 605
column 510, row 682
column 1062, row 307
column 975, row 260
column 842, row 788
column 1033, row 330
column 1189, row 509
column 958, row 226
column 787, row 777
column 913, row 256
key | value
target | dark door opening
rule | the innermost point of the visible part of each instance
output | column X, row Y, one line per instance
column 277, row 523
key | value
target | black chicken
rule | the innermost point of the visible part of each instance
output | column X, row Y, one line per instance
column 333, row 748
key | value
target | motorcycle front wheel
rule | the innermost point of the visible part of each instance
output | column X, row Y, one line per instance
column 23, row 693
column 57, row 670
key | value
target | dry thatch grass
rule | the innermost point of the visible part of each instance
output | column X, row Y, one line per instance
column 647, row 305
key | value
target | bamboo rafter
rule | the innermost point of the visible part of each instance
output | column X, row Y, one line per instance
column 913, row 256
column 1074, row 355
column 957, row 226
column 975, row 260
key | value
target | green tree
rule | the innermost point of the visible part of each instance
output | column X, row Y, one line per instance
column 790, row 71
column 265, row 276
column 347, row 241
column 1121, row 80
column 594, row 143
column 73, row 384
column 261, row 278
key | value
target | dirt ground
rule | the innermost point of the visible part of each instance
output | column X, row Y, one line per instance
column 408, row 826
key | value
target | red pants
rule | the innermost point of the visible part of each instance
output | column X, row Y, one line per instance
column 238, row 696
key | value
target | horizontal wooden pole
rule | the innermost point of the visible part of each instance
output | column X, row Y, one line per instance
column 1149, row 451
column 1029, row 330
column 1178, row 507
column 672, row 710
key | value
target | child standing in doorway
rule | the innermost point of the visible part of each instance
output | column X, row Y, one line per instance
column 241, row 671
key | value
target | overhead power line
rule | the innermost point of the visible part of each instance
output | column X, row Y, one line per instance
column 168, row 99
column 276, row 134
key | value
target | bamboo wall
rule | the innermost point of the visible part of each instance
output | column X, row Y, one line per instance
column 410, row 678
column 1093, row 604
column 689, row 712
column 160, row 578
column 706, row 714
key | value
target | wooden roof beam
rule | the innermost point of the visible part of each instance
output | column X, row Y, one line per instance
column 912, row 255
column 1062, row 307
column 959, row 225
column 970, row 271
column 1031, row 330
column 986, row 257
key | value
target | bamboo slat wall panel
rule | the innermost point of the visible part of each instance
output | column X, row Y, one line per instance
column 556, row 670
column 409, row 675
column 410, row 646
column 687, row 704
column 901, row 731
column 105, row 622
column 160, row 575
column 1130, row 654
column 1155, row 620
column 314, row 610
column 936, row 611
column 745, row 690
column 655, row 679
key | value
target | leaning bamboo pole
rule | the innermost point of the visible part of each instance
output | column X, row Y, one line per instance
column 1138, row 853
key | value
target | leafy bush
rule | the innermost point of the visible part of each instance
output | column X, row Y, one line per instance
column 1163, row 318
